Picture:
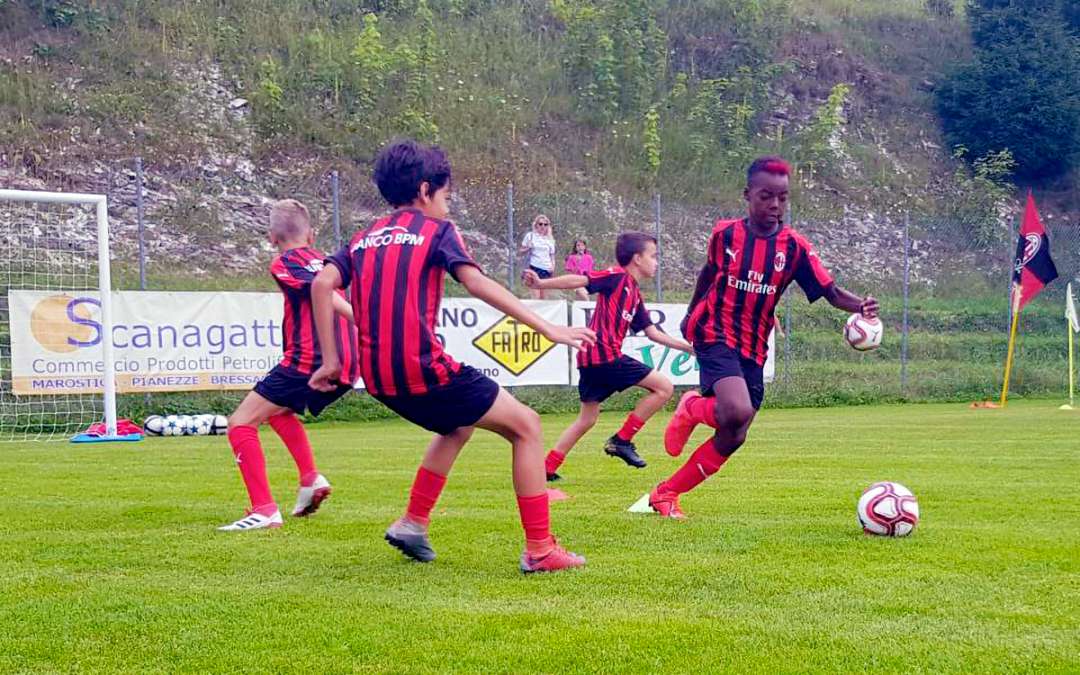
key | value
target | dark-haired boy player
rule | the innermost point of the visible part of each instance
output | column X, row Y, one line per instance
column 602, row 367
column 395, row 270
column 751, row 261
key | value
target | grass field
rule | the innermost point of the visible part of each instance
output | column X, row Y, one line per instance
column 110, row 562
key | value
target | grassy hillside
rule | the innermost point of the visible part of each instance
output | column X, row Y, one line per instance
column 626, row 95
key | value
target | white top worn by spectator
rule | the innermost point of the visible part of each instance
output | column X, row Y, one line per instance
column 541, row 251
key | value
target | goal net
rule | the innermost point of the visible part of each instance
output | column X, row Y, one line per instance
column 56, row 368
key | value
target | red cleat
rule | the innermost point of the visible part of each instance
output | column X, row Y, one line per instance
column 666, row 503
column 558, row 559
column 680, row 426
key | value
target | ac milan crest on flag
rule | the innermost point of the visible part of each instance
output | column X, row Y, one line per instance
column 1032, row 268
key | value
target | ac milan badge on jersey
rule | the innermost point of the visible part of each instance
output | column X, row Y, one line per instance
column 779, row 261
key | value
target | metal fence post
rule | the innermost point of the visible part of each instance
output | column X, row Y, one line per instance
column 141, row 221
column 787, row 338
column 1009, row 273
column 659, row 283
column 510, row 247
column 139, row 213
column 335, row 191
column 907, row 300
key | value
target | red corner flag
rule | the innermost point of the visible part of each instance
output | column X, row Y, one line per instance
column 1032, row 268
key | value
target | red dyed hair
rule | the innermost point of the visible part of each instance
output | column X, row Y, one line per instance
column 768, row 164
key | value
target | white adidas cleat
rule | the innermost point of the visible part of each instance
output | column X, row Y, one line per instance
column 253, row 521
column 308, row 499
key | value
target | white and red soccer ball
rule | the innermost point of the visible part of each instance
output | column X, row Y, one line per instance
column 862, row 333
column 888, row 510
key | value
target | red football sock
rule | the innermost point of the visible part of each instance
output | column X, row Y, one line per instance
column 703, row 411
column 631, row 426
column 426, row 488
column 536, row 519
column 703, row 463
column 554, row 460
column 249, row 457
column 291, row 430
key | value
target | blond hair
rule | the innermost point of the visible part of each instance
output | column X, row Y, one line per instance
column 289, row 220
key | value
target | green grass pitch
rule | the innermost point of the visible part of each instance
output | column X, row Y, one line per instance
column 110, row 562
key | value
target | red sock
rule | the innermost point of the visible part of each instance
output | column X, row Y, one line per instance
column 703, row 411
column 631, row 426
column 703, row 463
column 426, row 488
column 249, row 458
column 554, row 460
column 291, row 430
column 536, row 519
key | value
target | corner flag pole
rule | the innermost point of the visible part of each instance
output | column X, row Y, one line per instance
column 1012, row 344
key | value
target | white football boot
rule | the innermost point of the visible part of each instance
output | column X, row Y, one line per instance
column 308, row 499
column 253, row 521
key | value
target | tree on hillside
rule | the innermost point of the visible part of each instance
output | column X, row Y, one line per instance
column 1020, row 92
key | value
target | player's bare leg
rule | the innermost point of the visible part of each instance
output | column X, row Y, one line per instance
column 243, row 437
column 520, row 425
column 732, row 413
column 586, row 420
column 621, row 445
column 409, row 534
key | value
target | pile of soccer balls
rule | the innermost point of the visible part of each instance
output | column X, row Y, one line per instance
column 186, row 425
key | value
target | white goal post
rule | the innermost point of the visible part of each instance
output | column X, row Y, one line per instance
column 47, row 249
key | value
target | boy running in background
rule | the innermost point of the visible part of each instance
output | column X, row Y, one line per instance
column 603, row 368
column 751, row 262
column 284, row 392
column 395, row 271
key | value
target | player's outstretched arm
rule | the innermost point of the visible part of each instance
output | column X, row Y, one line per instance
column 559, row 283
column 494, row 294
column 841, row 298
column 661, row 338
column 323, row 290
column 342, row 306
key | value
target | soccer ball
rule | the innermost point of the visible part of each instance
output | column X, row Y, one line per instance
column 220, row 426
column 863, row 334
column 187, row 425
column 888, row 509
column 154, row 425
column 172, row 426
column 203, row 424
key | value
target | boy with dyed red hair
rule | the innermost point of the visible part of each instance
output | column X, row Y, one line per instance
column 751, row 262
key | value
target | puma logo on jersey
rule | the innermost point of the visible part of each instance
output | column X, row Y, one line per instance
column 731, row 254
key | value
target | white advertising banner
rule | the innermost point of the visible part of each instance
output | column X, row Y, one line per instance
column 186, row 341
column 506, row 351
column 680, row 367
column 163, row 341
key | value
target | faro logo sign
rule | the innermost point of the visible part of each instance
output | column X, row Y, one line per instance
column 63, row 324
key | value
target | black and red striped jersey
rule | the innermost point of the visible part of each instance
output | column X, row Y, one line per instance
column 395, row 271
column 294, row 270
column 752, row 272
column 619, row 309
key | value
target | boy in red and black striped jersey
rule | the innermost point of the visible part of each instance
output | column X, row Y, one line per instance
column 395, row 270
column 284, row 392
column 751, row 261
column 603, row 368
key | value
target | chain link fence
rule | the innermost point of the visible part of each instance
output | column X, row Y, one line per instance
column 945, row 306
